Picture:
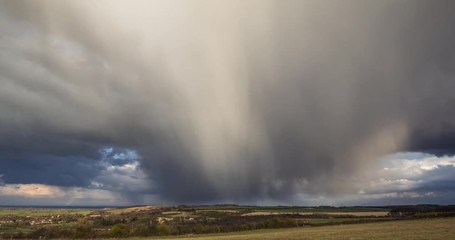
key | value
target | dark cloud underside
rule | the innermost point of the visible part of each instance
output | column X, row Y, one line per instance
column 224, row 101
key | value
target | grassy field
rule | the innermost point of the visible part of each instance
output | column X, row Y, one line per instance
column 228, row 222
column 332, row 221
column 291, row 208
column 41, row 211
column 442, row 228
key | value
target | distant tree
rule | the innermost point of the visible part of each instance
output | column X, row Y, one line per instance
column 142, row 231
column 119, row 230
column 163, row 229
column 199, row 228
column 244, row 227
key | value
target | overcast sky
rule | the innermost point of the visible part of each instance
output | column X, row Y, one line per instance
column 243, row 101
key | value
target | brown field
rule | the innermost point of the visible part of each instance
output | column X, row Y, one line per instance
column 357, row 214
column 134, row 209
column 441, row 228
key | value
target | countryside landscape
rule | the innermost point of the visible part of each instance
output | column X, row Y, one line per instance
column 227, row 119
column 229, row 222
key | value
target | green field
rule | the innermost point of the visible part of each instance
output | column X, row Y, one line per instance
column 35, row 212
column 442, row 228
column 230, row 222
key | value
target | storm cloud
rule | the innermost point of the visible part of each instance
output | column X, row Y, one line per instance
column 222, row 101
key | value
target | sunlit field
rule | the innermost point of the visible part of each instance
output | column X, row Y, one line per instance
column 406, row 229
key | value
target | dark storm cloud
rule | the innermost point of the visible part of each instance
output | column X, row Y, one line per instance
column 48, row 169
column 222, row 102
column 440, row 180
column 43, row 157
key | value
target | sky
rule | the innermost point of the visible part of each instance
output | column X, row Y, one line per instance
column 246, row 101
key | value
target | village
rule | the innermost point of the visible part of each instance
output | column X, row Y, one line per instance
column 142, row 221
column 10, row 221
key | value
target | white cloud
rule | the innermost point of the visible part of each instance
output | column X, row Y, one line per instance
column 399, row 178
column 402, row 171
column 413, row 164
column 409, row 175
column 121, row 171
column 120, row 177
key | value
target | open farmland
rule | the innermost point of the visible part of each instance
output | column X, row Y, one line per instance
column 407, row 229
column 38, row 212
column 221, row 220
column 356, row 214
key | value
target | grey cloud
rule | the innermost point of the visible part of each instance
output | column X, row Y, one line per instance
column 438, row 180
column 44, row 157
column 410, row 178
column 223, row 103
